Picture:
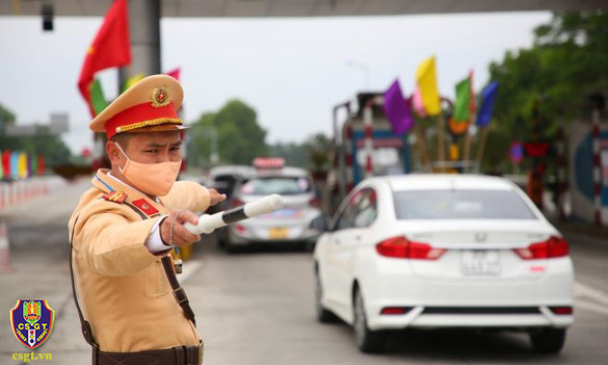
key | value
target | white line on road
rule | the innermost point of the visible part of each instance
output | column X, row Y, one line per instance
column 582, row 290
column 599, row 303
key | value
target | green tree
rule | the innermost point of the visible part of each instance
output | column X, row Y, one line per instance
column 566, row 63
column 51, row 147
column 319, row 147
column 240, row 137
column 295, row 154
column 6, row 116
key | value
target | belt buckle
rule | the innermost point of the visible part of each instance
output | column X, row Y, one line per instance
column 179, row 266
column 193, row 355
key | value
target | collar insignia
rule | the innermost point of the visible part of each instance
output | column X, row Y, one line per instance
column 115, row 196
column 145, row 207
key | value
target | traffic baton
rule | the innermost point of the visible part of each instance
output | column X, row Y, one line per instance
column 208, row 223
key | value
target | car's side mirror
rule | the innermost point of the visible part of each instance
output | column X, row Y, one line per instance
column 321, row 223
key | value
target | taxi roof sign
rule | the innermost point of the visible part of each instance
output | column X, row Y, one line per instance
column 268, row 163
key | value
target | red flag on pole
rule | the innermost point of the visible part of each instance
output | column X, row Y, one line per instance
column 175, row 73
column 6, row 163
column 41, row 166
column 110, row 48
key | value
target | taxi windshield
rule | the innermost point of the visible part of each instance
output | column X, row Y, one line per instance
column 276, row 185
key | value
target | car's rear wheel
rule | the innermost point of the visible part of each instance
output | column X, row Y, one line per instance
column 368, row 341
column 323, row 315
column 548, row 341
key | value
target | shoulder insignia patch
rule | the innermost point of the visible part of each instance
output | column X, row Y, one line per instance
column 115, row 196
column 145, row 206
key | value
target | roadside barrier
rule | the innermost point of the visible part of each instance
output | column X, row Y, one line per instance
column 5, row 251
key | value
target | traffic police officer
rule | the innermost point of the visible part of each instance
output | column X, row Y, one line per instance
column 130, row 304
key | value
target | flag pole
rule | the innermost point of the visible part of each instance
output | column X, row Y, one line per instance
column 420, row 142
column 482, row 145
column 441, row 141
column 468, row 142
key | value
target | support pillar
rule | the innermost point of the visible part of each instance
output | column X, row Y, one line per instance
column 144, row 29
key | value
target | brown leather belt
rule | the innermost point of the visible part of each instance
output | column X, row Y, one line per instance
column 182, row 355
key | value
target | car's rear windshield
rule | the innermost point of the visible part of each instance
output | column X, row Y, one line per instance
column 461, row 204
column 276, row 185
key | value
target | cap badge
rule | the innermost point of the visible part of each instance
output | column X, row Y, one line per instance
column 160, row 97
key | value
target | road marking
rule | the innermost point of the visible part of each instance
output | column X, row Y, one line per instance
column 592, row 307
column 190, row 268
column 593, row 299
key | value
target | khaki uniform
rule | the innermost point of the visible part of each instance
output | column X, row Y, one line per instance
column 122, row 287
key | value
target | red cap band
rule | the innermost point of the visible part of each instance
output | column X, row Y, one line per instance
column 140, row 116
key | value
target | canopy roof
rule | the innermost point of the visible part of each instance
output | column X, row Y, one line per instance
column 301, row 8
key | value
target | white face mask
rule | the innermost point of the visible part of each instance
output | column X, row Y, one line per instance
column 155, row 179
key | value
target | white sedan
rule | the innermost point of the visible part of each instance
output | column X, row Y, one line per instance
column 443, row 251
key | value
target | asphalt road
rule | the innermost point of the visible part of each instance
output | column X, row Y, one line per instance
column 256, row 307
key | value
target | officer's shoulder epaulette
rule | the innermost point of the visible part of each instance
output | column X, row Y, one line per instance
column 115, row 196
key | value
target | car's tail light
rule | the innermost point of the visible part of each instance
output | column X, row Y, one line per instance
column 395, row 310
column 401, row 247
column 240, row 228
column 551, row 248
column 562, row 311
column 315, row 203
column 236, row 202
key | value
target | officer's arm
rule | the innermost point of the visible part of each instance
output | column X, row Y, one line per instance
column 114, row 246
column 187, row 195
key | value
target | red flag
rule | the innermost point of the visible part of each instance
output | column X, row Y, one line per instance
column 41, row 166
column 6, row 163
column 174, row 73
column 110, row 48
column 472, row 105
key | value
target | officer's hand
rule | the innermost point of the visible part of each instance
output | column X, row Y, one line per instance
column 173, row 232
column 216, row 197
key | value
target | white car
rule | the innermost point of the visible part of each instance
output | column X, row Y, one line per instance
column 290, row 224
column 443, row 251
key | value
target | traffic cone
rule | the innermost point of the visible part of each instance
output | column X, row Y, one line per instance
column 5, row 250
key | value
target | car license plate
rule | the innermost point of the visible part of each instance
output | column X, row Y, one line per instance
column 277, row 233
column 480, row 262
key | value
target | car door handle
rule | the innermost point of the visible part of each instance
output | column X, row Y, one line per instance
column 336, row 241
column 358, row 238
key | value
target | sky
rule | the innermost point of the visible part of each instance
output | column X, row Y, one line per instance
column 291, row 71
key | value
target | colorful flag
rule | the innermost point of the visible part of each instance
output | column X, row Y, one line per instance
column 462, row 107
column 33, row 165
column 28, row 159
column 417, row 103
column 110, row 48
column 397, row 110
column 15, row 164
column 426, row 77
column 488, row 95
column 22, row 163
column 6, row 164
column 175, row 73
column 131, row 81
column 98, row 100
column 40, row 165
column 472, row 105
